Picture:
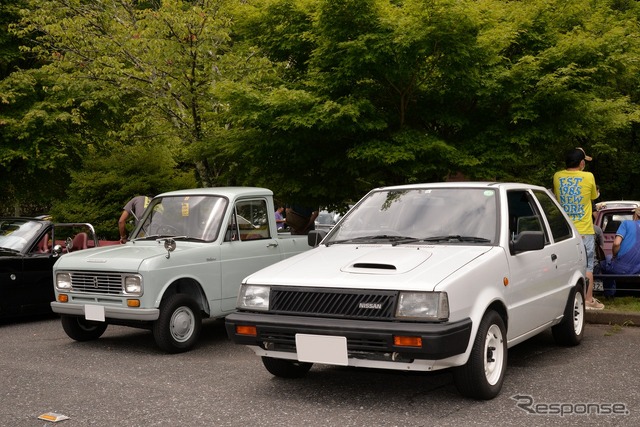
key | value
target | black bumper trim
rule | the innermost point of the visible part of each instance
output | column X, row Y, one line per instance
column 439, row 340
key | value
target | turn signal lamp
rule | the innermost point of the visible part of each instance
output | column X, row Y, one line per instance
column 63, row 298
column 401, row 341
column 133, row 303
column 247, row 330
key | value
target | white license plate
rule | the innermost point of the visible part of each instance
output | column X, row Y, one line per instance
column 322, row 349
column 94, row 312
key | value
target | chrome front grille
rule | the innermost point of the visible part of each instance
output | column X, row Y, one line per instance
column 97, row 282
column 342, row 303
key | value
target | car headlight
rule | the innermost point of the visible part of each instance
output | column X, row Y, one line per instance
column 254, row 297
column 423, row 305
column 63, row 281
column 133, row 285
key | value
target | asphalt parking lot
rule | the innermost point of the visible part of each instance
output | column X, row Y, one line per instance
column 124, row 380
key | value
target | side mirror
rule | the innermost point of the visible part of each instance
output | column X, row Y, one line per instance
column 170, row 246
column 527, row 241
column 315, row 237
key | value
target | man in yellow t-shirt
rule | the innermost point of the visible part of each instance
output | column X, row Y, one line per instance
column 575, row 189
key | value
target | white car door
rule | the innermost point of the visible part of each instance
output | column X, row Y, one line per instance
column 534, row 291
column 567, row 246
column 248, row 247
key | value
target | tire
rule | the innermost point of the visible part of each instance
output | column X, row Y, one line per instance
column 483, row 374
column 570, row 330
column 80, row 329
column 178, row 326
column 284, row 368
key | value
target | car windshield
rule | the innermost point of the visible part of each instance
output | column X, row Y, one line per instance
column 439, row 215
column 188, row 217
column 16, row 234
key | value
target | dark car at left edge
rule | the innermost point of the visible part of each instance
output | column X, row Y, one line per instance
column 28, row 249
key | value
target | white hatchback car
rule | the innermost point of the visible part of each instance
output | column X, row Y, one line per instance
column 419, row 278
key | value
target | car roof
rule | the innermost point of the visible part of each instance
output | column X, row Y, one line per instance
column 465, row 184
column 617, row 204
column 220, row 191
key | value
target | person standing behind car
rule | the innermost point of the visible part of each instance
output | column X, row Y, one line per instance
column 280, row 221
column 134, row 207
column 301, row 219
column 575, row 189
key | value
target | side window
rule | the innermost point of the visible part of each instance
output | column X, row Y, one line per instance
column 231, row 235
column 560, row 228
column 252, row 220
column 523, row 215
column 44, row 245
column 612, row 221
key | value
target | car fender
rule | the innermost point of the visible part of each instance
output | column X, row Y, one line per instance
column 491, row 269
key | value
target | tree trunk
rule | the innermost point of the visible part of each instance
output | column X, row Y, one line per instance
column 202, row 170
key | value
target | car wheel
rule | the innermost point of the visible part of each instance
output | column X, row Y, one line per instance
column 570, row 330
column 80, row 329
column 178, row 326
column 284, row 368
column 482, row 376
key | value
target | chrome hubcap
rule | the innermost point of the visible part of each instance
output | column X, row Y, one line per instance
column 182, row 324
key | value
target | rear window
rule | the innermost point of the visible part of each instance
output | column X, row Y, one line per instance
column 611, row 221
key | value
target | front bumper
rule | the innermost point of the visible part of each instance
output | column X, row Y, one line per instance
column 128, row 313
column 365, row 338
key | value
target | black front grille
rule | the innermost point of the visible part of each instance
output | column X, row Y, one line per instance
column 340, row 303
column 286, row 341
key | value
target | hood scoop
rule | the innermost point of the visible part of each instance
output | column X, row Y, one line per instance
column 377, row 262
column 369, row 265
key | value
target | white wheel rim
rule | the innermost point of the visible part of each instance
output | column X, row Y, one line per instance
column 182, row 324
column 578, row 313
column 493, row 354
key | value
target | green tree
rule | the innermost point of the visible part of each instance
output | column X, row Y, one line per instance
column 105, row 183
column 15, row 167
column 397, row 92
column 345, row 120
column 562, row 81
column 321, row 100
column 10, row 56
column 169, row 56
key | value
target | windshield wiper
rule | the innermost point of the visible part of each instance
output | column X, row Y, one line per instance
column 169, row 236
column 157, row 236
column 191, row 239
column 391, row 238
column 446, row 238
column 13, row 251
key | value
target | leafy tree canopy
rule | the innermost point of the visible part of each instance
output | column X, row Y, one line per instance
column 322, row 100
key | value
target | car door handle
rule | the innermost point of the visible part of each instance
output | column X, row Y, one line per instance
column 554, row 257
column 273, row 245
